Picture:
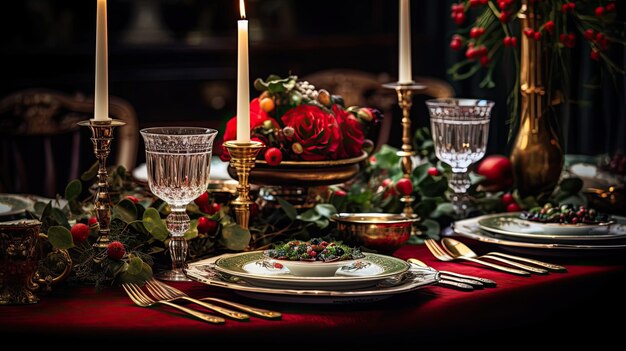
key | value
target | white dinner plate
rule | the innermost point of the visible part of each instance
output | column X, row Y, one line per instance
column 257, row 269
column 469, row 228
column 11, row 205
column 416, row 278
column 510, row 225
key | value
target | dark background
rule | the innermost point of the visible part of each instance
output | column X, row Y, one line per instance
column 187, row 74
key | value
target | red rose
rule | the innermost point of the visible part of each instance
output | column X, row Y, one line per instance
column 315, row 130
column 353, row 133
column 257, row 117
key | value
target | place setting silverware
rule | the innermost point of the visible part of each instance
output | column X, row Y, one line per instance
column 475, row 282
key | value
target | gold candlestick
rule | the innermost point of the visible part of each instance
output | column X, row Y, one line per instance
column 242, row 158
column 405, row 101
column 102, row 135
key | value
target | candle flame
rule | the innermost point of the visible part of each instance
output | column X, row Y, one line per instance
column 242, row 9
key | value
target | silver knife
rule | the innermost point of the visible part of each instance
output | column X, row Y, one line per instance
column 472, row 282
column 484, row 281
column 455, row 285
column 550, row 266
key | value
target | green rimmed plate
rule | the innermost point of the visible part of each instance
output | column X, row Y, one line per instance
column 255, row 268
column 13, row 204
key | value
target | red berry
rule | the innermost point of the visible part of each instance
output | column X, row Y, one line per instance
column 132, row 198
column 507, row 199
column 459, row 18
column 549, row 26
column 471, row 53
column 372, row 159
column 595, row 55
column 254, row 210
column 599, row 37
column 93, row 220
column 203, row 201
column 312, row 253
column 405, row 186
column 214, row 208
column 529, row 32
column 599, row 11
column 571, row 6
column 538, row 35
column 433, row 171
column 116, row 250
column 476, row 32
column 80, row 232
column 504, row 16
column 273, row 156
column 482, row 51
column 564, row 8
column 207, row 225
column 457, row 8
column 503, row 4
column 340, row 193
column 610, row 7
column 386, row 182
column 475, row 3
column 589, row 34
column 456, row 44
column 513, row 41
column 513, row 207
column 484, row 60
column 506, row 41
column 278, row 265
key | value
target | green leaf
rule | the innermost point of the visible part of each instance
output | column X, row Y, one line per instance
column 425, row 207
column 571, row 185
column 288, row 208
column 90, row 173
column 310, row 215
column 234, row 237
column 326, row 210
column 59, row 217
column 135, row 265
column 387, row 158
column 73, row 190
column 154, row 225
column 192, row 232
column 443, row 209
column 140, row 278
column 125, row 210
column 60, row 237
column 433, row 186
column 432, row 227
column 421, row 172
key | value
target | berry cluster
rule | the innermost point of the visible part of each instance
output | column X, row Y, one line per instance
column 567, row 214
column 313, row 250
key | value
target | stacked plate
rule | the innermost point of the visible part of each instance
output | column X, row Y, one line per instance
column 510, row 231
column 372, row 278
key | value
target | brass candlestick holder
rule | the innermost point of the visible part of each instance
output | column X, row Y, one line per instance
column 242, row 159
column 101, row 137
column 405, row 101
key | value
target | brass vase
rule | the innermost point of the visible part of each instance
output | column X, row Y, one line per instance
column 537, row 155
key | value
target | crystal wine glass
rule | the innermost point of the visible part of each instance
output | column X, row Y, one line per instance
column 460, row 129
column 178, row 160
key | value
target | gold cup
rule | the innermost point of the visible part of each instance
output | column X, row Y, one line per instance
column 19, row 259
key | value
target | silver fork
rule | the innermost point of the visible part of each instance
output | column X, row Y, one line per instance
column 164, row 294
column 141, row 299
column 441, row 255
column 258, row 312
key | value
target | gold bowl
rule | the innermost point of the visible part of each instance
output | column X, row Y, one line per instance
column 384, row 232
column 304, row 173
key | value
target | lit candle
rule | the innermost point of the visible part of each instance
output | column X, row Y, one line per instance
column 101, row 99
column 405, row 75
column 243, row 80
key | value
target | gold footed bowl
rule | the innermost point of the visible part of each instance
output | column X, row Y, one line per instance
column 383, row 232
column 304, row 173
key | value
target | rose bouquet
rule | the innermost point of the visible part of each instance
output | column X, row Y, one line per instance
column 297, row 122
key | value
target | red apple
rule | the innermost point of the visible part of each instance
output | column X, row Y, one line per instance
column 498, row 172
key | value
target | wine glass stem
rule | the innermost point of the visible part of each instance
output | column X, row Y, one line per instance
column 178, row 223
column 460, row 182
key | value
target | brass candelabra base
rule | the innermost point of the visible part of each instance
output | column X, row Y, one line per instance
column 242, row 159
column 101, row 137
column 405, row 101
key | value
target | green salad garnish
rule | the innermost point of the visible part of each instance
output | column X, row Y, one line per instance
column 314, row 250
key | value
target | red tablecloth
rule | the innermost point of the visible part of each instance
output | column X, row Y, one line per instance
column 580, row 302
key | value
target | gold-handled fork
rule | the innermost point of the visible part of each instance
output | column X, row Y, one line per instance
column 141, row 299
column 257, row 312
column 442, row 255
column 161, row 293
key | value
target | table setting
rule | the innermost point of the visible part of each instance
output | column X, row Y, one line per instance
column 291, row 221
